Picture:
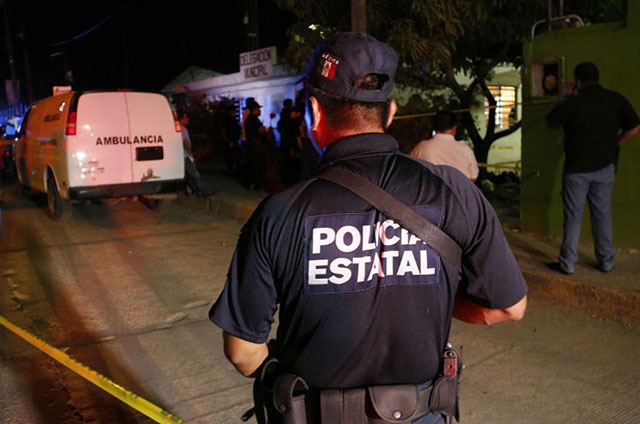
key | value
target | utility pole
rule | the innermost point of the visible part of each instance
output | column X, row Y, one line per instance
column 250, row 21
column 12, row 67
column 125, row 60
column 27, row 67
column 359, row 16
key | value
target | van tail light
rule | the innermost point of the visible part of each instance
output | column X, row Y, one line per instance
column 71, row 123
column 176, row 122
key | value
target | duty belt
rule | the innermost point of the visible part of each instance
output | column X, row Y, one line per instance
column 281, row 397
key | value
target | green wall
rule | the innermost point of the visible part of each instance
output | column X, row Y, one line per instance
column 615, row 49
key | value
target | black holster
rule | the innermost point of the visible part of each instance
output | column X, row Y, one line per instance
column 279, row 397
column 290, row 399
column 444, row 397
column 262, row 390
column 444, row 394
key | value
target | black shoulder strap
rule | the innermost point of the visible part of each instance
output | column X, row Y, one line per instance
column 398, row 211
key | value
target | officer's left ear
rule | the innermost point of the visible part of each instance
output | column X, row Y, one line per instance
column 393, row 108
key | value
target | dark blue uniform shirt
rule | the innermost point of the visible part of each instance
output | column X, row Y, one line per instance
column 361, row 300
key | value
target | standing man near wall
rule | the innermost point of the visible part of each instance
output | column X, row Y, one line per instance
column 255, row 134
column 596, row 123
column 444, row 149
column 365, row 307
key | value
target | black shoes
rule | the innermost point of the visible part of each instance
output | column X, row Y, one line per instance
column 603, row 268
column 555, row 266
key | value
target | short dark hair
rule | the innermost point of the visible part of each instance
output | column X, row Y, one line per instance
column 445, row 120
column 586, row 72
column 345, row 113
column 287, row 103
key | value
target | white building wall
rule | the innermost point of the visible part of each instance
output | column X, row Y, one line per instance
column 269, row 93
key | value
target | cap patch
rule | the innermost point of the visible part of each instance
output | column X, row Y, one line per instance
column 329, row 64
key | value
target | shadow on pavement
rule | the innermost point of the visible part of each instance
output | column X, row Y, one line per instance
column 72, row 397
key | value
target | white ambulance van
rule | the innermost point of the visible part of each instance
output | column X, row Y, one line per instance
column 94, row 145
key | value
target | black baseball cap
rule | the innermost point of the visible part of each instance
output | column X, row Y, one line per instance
column 339, row 61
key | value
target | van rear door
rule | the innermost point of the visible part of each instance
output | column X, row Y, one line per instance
column 156, row 149
column 99, row 153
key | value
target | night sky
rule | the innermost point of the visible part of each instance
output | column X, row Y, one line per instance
column 156, row 42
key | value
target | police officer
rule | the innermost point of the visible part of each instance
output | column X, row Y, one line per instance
column 362, row 302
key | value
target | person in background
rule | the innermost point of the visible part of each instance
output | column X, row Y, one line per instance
column 255, row 134
column 444, row 149
column 596, row 122
column 288, row 129
column 191, row 174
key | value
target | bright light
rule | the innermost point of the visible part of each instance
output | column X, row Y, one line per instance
column 313, row 27
column 81, row 155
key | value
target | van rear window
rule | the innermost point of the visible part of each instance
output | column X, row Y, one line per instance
column 149, row 153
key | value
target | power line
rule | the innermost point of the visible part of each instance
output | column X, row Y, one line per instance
column 90, row 30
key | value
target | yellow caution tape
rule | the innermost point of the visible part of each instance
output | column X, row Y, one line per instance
column 504, row 147
column 488, row 165
column 478, row 108
column 144, row 406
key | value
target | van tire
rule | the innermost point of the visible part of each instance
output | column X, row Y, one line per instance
column 57, row 207
column 13, row 171
column 153, row 204
column 22, row 191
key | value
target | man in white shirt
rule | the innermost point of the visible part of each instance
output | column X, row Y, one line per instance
column 444, row 149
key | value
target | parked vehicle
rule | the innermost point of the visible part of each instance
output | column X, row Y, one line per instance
column 94, row 145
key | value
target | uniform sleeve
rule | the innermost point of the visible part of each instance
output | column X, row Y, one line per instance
column 247, row 304
column 490, row 275
column 628, row 118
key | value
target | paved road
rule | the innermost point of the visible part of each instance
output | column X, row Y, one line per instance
column 126, row 290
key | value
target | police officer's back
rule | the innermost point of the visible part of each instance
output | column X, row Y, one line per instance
column 362, row 301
